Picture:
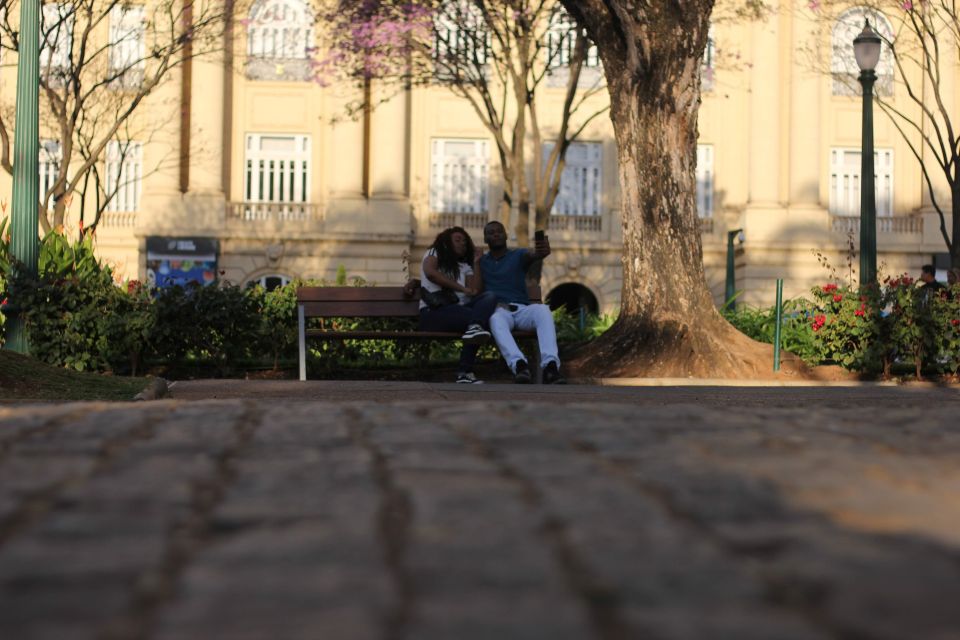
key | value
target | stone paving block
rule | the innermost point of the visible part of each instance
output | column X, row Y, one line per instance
column 45, row 559
column 23, row 475
column 61, row 611
column 490, row 613
column 723, row 623
column 236, row 618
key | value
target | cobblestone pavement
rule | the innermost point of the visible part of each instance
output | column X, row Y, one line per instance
column 564, row 516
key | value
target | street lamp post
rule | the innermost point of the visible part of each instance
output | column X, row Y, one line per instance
column 24, row 245
column 866, row 49
column 731, row 289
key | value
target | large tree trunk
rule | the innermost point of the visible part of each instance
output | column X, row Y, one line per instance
column 668, row 323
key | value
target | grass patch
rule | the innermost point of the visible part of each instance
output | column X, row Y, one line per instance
column 23, row 378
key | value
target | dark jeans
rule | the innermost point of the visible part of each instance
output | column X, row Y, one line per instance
column 456, row 317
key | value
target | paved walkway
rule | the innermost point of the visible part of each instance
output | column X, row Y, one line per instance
column 400, row 511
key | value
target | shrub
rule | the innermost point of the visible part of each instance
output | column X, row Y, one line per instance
column 70, row 307
column 848, row 328
column 872, row 328
column 796, row 334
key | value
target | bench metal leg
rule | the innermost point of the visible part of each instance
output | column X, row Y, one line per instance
column 302, row 330
column 535, row 362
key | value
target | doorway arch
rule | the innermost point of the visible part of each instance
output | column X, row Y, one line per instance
column 572, row 296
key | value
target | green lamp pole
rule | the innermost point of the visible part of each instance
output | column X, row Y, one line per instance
column 731, row 289
column 24, row 245
column 866, row 49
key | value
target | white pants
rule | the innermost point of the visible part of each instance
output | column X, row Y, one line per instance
column 526, row 318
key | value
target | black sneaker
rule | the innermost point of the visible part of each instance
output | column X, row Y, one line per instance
column 551, row 374
column 475, row 334
column 467, row 377
column 522, row 373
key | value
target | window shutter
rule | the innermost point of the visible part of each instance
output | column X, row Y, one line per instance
column 459, row 175
column 581, row 181
column 845, row 181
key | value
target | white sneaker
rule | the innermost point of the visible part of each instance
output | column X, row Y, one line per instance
column 475, row 334
column 468, row 378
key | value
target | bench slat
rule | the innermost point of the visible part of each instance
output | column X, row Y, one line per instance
column 360, row 294
column 362, row 309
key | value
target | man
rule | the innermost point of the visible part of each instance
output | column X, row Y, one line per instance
column 504, row 273
column 930, row 286
column 928, row 276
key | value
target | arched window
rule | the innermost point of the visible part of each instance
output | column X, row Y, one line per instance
column 269, row 281
column 279, row 40
column 843, row 64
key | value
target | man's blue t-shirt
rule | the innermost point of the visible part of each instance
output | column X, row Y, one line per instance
column 506, row 276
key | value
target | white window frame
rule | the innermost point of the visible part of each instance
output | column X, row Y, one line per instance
column 845, row 181
column 51, row 159
column 843, row 63
column 124, row 169
column 280, row 30
column 459, row 183
column 581, row 184
column 128, row 46
column 56, row 37
column 706, row 183
column 452, row 40
column 277, row 175
column 561, row 38
column 708, row 68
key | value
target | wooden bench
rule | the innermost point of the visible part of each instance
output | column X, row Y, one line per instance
column 370, row 302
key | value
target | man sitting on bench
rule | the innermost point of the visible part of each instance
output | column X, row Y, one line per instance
column 504, row 274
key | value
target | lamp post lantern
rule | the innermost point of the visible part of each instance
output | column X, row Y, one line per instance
column 24, row 245
column 866, row 49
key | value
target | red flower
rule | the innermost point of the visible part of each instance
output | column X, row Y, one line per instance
column 828, row 288
column 133, row 286
column 954, row 322
column 5, row 302
column 858, row 312
column 837, row 298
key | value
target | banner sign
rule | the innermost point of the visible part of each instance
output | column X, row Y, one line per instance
column 179, row 261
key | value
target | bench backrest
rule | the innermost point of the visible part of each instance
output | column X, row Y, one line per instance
column 358, row 302
column 367, row 302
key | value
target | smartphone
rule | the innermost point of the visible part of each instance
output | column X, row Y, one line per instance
column 538, row 236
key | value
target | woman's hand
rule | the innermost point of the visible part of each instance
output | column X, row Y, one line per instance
column 477, row 254
column 470, row 291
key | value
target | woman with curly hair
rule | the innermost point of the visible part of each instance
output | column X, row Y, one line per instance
column 452, row 297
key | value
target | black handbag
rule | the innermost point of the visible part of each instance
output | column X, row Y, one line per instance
column 438, row 299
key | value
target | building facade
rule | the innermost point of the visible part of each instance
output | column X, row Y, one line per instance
column 256, row 161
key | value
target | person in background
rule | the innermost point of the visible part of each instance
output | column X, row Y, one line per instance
column 504, row 274
column 452, row 297
column 953, row 276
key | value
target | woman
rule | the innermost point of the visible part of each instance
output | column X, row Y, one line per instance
column 450, row 298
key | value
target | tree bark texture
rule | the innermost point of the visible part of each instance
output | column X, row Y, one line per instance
column 668, row 324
